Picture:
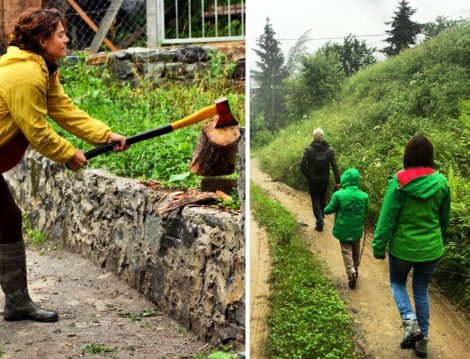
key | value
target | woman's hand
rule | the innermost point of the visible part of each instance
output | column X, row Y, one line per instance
column 114, row 137
column 77, row 161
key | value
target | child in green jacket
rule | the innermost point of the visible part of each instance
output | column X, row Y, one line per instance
column 351, row 206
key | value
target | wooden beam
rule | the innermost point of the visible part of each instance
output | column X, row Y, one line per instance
column 106, row 24
column 90, row 23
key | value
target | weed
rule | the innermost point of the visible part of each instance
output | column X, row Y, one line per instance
column 33, row 236
column 136, row 316
column 93, row 348
column 181, row 331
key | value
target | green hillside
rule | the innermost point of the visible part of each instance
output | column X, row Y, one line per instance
column 425, row 90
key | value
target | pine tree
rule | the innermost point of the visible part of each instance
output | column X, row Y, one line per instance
column 404, row 31
column 268, row 96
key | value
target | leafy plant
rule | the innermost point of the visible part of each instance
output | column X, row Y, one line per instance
column 93, row 348
column 34, row 236
column 136, row 316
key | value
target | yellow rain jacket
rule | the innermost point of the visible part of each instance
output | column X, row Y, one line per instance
column 27, row 94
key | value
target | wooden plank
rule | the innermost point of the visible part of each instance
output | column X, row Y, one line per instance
column 106, row 24
column 90, row 23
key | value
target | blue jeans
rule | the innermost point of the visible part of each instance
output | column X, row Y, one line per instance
column 422, row 273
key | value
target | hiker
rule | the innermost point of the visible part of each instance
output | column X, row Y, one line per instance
column 315, row 165
column 412, row 227
column 30, row 90
column 351, row 206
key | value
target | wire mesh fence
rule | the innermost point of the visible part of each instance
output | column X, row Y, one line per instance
column 85, row 17
column 178, row 21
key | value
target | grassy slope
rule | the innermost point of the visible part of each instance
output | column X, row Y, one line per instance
column 425, row 90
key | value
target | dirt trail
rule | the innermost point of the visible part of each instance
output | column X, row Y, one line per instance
column 371, row 303
column 89, row 302
column 260, row 269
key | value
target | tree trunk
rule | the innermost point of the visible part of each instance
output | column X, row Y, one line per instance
column 216, row 150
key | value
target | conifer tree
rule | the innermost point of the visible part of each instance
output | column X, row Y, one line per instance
column 404, row 30
column 267, row 93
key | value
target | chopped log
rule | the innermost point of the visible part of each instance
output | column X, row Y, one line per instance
column 214, row 184
column 216, row 150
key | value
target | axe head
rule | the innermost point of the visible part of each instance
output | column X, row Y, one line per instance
column 225, row 117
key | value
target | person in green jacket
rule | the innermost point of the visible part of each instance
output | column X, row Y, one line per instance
column 412, row 227
column 351, row 206
column 30, row 90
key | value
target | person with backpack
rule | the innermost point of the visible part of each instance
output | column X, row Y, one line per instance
column 317, row 160
column 412, row 226
column 351, row 206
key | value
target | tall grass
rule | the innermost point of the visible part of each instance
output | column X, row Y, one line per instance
column 129, row 111
column 425, row 90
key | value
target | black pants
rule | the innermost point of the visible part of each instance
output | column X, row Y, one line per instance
column 317, row 191
column 10, row 216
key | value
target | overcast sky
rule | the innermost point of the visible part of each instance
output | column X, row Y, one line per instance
column 337, row 18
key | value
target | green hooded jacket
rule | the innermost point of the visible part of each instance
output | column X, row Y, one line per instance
column 414, row 216
column 351, row 206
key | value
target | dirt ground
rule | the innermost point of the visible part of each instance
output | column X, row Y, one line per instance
column 371, row 303
column 92, row 306
column 259, row 289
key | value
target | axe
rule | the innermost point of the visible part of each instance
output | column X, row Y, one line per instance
column 221, row 108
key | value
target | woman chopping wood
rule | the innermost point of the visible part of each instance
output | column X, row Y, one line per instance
column 29, row 91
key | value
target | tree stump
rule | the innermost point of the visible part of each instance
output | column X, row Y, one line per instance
column 216, row 150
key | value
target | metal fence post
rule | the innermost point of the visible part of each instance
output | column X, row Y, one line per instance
column 152, row 23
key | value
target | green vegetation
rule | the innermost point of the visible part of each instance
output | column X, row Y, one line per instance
column 136, row 316
column 33, row 236
column 130, row 111
column 425, row 90
column 308, row 318
column 93, row 348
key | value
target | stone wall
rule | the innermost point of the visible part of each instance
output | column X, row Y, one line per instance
column 189, row 261
column 169, row 63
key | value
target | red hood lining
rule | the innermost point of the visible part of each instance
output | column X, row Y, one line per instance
column 406, row 176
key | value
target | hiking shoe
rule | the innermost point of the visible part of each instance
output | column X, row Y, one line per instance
column 357, row 273
column 412, row 333
column 421, row 347
column 352, row 281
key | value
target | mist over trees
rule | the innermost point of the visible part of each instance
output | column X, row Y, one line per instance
column 285, row 91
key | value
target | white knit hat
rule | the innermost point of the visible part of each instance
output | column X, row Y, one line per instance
column 318, row 134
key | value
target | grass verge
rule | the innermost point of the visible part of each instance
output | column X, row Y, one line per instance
column 308, row 318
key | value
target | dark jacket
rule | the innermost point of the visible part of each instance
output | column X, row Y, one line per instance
column 351, row 206
column 317, row 160
column 414, row 216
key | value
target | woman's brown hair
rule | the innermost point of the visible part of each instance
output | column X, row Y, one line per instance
column 33, row 24
column 419, row 152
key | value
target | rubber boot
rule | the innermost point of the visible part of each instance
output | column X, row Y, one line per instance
column 412, row 333
column 13, row 280
column 421, row 348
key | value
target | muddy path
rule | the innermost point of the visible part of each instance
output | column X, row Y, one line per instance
column 260, row 270
column 94, row 308
column 371, row 303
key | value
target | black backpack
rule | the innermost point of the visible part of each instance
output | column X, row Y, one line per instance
column 315, row 162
